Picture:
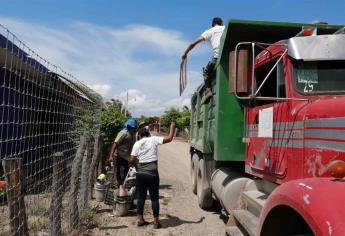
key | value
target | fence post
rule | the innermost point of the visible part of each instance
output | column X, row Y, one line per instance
column 73, row 195
column 15, row 196
column 95, row 159
column 57, row 193
column 102, row 160
column 84, row 178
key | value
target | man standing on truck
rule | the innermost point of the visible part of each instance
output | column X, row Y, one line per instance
column 122, row 148
column 212, row 35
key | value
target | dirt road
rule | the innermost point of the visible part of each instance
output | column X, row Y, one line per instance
column 180, row 213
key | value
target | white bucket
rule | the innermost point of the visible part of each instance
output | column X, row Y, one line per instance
column 99, row 191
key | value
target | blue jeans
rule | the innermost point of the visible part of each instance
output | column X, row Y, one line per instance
column 121, row 168
column 147, row 181
column 208, row 71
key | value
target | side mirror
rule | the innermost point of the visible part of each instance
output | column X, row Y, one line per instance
column 241, row 66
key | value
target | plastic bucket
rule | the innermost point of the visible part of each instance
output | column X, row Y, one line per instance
column 122, row 205
column 99, row 191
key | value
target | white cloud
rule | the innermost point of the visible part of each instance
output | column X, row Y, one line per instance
column 102, row 89
column 140, row 103
column 139, row 58
column 137, row 99
column 143, row 37
column 177, row 102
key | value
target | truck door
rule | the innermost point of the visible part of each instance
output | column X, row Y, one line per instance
column 268, row 125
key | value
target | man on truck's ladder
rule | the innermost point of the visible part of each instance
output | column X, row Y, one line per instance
column 212, row 35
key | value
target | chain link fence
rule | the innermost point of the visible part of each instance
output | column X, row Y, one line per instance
column 49, row 143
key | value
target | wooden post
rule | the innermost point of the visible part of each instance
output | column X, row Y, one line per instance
column 15, row 196
column 73, row 195
column 95, row 159
column 57, row 193
column 84, row 178
column 102, row 160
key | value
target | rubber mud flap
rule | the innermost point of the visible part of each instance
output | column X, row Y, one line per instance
column 203, row 188
column 194, row 172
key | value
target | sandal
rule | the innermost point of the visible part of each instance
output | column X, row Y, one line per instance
column 157, row 225
column 143, row 223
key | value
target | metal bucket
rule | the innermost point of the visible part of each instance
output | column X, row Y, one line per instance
column 99, row 190
column 122, row 205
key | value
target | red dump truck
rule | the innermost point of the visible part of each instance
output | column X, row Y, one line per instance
column 270, row 144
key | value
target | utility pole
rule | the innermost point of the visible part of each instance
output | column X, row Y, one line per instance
column 126, row 106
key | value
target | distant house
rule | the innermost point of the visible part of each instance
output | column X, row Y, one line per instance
column 156, row 126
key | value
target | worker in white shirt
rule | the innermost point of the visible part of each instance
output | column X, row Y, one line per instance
column 144, row 157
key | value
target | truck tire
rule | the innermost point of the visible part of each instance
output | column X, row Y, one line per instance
column 204, row 192
column 194, row 167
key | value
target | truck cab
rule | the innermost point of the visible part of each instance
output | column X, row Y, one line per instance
column 294, row 121
column 270, row 145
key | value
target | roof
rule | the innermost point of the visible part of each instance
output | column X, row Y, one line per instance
column 20, row 53
column 263, row 31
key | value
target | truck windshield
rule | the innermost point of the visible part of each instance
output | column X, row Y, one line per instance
column 321, row 77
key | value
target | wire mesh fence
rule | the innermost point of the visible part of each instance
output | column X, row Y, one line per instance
column 49, row 143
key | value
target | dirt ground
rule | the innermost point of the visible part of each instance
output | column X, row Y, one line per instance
column 180, row 213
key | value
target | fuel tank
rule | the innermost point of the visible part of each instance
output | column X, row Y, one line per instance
column 227, row 187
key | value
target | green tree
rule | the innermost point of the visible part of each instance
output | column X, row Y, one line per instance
column 112, row 120
column 184, row 119
column 150, row 120
column 170, row 115
column 142, row 118
column 181, row 118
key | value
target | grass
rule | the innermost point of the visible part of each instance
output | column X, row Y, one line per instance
column 38, row 210
column 39, row 225
column 87, row 218
column 38, row 216
column 3, row 196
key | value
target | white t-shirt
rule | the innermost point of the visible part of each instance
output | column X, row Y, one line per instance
column 213, row 36
column 146, row 149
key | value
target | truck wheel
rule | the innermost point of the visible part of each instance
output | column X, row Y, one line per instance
column 194, row 166
column 203, row 188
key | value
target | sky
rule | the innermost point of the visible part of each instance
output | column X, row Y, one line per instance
column 135, row 47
